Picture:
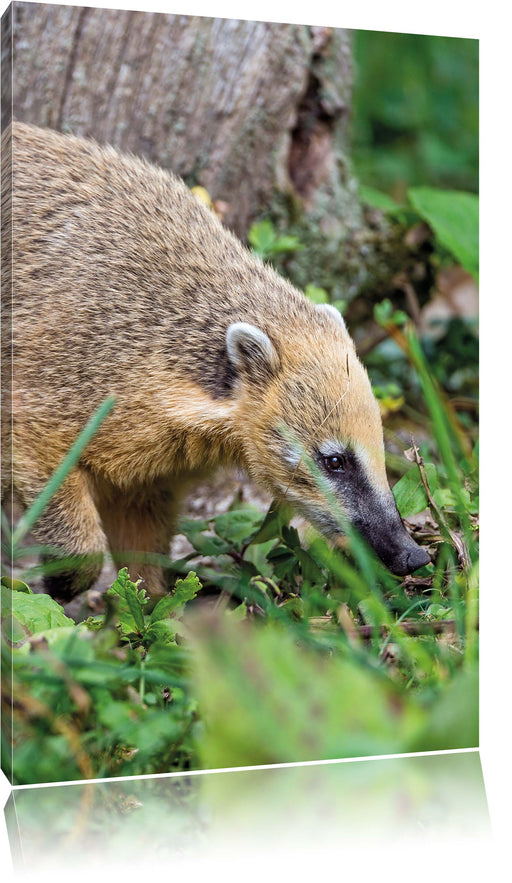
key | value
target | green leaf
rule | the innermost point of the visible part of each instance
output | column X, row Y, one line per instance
column 283, row 561
column 238, row 613
column 384, row 314
column 134, row 606
column 16, row 585
column 266, row 242
column 309, row 568
column 206, row 544
column 184, row 590
column 453, row 216
column 261, row 235
column 130, row 601
column 291, row 538
column 32, row 613
column 437, row 611
column 409, row 493
column 161, row 630
column 383, row 311
column 238, row 525
column 190, row 526
column 272, row 525
column 286, row 243
column 378, row 199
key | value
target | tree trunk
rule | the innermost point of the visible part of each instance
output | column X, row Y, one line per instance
column 255, row 112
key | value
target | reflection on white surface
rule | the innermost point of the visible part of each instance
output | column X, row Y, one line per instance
column 301, row 812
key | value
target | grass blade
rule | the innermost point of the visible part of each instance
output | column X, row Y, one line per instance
column 29, row 518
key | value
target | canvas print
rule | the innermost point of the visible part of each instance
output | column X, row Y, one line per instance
column 239, row 393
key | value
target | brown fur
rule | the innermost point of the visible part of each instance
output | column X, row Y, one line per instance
column 124, row 284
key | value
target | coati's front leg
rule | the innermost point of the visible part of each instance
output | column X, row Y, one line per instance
column 139, row 525
column 71, row 526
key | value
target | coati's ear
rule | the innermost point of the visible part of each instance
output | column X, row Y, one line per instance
column 328, row 308
column 250, row 351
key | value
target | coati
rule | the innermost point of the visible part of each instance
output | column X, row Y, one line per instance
column 124, row 284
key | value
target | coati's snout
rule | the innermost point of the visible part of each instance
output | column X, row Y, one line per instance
column 371, row 509
column 386, row 534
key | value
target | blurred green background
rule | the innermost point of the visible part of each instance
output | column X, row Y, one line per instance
column 415, row 111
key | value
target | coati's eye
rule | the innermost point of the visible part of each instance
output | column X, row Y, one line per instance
column 334, row 463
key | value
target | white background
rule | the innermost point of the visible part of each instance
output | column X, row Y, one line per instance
column 486, row 22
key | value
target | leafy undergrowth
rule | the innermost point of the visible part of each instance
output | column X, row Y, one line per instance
column 274, row 649
column 104, row 697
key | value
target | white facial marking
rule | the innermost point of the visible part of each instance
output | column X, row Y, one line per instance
column 331, row 448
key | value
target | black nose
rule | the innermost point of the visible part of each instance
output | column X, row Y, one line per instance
column 417, row 558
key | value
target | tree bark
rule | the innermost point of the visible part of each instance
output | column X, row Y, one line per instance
column 255, row 112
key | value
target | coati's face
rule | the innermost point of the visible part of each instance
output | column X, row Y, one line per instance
column 315, row 434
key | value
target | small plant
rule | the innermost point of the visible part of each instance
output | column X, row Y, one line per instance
column 267, row 242
column 104, row 697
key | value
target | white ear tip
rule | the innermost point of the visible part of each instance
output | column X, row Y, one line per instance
column 241, row 338
column 332, row 311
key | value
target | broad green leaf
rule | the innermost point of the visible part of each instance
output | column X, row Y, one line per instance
column 189, row 526
column 33, row 613
column 291, row 538
column 453, row 216
column 204, row 543
column 266, row 241
column 122, row 580
column 286, row 243
column 409, row 493
column 437, row 611
column 238, row 613
column 283, row 562
column 309, row 568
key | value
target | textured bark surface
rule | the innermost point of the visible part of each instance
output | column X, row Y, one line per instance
column 246, row 109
